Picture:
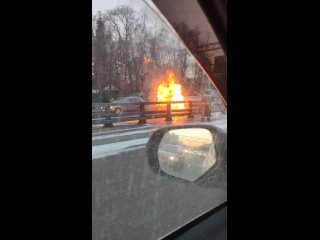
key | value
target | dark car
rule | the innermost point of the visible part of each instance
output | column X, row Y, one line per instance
column 119, row 105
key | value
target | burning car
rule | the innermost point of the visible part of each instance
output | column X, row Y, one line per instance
column 169, row 90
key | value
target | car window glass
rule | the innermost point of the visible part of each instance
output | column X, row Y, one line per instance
column 135, row 53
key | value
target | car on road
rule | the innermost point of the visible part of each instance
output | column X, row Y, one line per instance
column 126, row 104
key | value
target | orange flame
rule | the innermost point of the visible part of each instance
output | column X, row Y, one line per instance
column 170, row 91
column 146, row 60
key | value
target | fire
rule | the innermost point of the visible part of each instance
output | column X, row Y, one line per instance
column 170, row 91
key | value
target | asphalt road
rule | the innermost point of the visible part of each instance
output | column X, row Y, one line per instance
column 129, row 201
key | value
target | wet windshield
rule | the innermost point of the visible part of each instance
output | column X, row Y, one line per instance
column 134, row 53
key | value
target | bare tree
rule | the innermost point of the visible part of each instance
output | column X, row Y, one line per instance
column 127, row 38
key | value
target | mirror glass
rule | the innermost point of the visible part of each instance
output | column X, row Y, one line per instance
column 187, row 153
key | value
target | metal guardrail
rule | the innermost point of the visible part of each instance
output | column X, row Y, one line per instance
column 209, row 47
column 108, row 118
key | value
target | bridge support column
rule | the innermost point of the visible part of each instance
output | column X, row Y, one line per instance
column 142, row 115
column 169, row 117
column 190, row 115
column 109, row 124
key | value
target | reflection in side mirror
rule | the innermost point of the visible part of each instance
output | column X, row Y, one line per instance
column 187, row 153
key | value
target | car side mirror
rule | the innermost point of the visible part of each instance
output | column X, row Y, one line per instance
column 193, row 153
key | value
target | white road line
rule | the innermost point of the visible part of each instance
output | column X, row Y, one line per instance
column 100, row 151
column 128, row 133
column 120, row 130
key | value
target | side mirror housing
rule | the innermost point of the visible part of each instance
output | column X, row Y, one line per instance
column 192, row 153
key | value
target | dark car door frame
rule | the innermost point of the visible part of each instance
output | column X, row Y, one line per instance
column 202, row 227
column 211, row 15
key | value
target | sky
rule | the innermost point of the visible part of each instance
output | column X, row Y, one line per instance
column 101, row 5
